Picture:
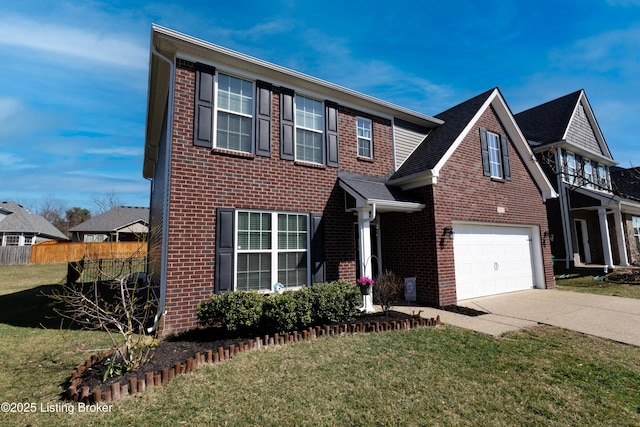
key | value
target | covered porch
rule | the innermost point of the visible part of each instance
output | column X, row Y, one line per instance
column 368, row 198
column 598, row 231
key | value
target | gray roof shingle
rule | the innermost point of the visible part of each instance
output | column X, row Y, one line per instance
column 548, row 122
column 114, row 219
column 21, row 220
column 374, row 188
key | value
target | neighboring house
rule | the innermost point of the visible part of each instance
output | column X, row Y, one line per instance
column 261, row 174
column 19, row 227
column 626, row 183
column 587, row 218
column 120, row 224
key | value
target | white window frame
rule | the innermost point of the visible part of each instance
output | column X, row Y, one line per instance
column 368, row 140
column 219, row 109
column 603, row 177
column 635, row 221
column 587, row 173
column 569, row 168
column 495, row 155
column 274, row 251
column 299, row 126
column 8, row 237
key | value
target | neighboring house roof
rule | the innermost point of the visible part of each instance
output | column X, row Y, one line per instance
column 547, row 123
column 114, row 220
column 374, row 190
column 424, row 164
column 20, row 220
column 626, row 181
column 551, row 124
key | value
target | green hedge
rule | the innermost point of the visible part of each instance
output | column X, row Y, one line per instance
column 246, row 312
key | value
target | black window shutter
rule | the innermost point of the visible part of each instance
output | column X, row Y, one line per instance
column 486, row 167
column 317, row 249
column 287, row 114
column 203, row 123
column 263, row 119
column 331, row 118
column 225, row 237
column 506, row 166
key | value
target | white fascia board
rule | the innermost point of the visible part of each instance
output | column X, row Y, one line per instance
column 167, row 39
column 417, row 180
column 575, row 149
column 395, row 206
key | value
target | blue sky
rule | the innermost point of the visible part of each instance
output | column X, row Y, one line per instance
column 73, row 74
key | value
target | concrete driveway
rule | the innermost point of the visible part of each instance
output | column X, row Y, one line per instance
column 608, row 317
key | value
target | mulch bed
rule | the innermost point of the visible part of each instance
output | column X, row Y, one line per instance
column 183, row 353
column 629, row 276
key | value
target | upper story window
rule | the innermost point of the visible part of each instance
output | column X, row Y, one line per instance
column 309, row 130
column 234, row 119
column 365, row 145
column 577, row 170
column 569, row 170
column 587, row 173
column 495, row 155
column 603, row 177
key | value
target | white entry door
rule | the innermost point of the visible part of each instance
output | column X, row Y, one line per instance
column 492, row 259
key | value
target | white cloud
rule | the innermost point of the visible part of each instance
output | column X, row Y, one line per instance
column 116, row 151
column 9, row 107
column 87, row 44
column 9, row 161
column 616, row 50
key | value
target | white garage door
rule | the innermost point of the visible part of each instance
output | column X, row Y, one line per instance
column 491, row 260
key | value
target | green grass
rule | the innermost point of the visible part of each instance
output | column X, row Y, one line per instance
column 432, row 376
column 582, row 282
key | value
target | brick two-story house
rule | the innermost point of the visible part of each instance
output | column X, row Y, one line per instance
column 261, row 174
column 591, row 221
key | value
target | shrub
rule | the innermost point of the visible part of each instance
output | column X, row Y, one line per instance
column 287, row 311
column 334, row 302
column 235, row 311
column 388, row 289
column 244, row 312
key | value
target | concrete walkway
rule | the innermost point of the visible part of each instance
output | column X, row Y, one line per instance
column 608, row 317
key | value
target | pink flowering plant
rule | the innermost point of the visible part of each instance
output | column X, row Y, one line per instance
column 364, row 282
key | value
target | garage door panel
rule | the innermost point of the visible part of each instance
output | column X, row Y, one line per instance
column 492, row 259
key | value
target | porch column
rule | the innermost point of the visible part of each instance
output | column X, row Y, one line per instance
column 604, row 236
column 364, row 220
column 622, row 241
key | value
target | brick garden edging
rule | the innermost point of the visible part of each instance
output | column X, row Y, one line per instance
column 153, row 379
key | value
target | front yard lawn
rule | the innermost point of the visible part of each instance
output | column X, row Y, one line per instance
column 430, row 376
column 583, row 280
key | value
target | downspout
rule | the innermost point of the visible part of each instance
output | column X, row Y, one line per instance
column 165, row 228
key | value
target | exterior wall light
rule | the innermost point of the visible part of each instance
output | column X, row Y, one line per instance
column 446, row 232
column 547, row 236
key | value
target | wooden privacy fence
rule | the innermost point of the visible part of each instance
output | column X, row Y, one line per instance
column 14, row 255
column 48, row 252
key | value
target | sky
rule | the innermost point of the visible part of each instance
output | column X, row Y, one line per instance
column 74, row 74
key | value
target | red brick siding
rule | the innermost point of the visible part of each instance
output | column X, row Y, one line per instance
column 464, row 194
column 203, row 180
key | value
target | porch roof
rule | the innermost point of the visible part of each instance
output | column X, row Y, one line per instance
column 371, row 190
column 585, row 198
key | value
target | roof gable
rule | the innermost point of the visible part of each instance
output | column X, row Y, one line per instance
column 569, row 120
column 423, row 166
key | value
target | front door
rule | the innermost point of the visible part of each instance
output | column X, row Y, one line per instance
column 582, row 238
